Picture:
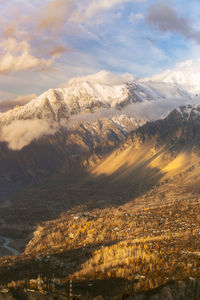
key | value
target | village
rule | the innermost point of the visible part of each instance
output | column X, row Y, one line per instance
column 150, row 244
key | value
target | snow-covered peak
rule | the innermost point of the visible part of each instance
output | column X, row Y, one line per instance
column 59, row 103
column 109, row 88
column 186, row 79
column 179, row 77
column 109, row 95
column 105, row 90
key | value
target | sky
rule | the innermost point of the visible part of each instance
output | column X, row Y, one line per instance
column 44, row 43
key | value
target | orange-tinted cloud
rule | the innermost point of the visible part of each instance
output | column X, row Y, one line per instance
column 10, row 31
column 33, row 41
column 16, row 56
column 21, row 133
column 58, row 50
column 20, row 100
column 54, row 15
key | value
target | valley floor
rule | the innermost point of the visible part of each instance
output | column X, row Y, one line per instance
column 142, row 245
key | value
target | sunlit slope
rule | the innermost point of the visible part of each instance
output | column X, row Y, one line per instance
column 144, row 162
column 161, row 158
column 124, row 159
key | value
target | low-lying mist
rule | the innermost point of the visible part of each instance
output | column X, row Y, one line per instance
column 21, row 133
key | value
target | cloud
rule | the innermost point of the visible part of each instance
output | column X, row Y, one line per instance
column 192, row 66
column 57, row 51
column 135, row 17
column 6, row 95
column 94, row 8
column 103, row 77
column 38, row 31
column 33, row 40
column 90, row 117
column 156, row 109
column 21, row 133
column 189, row 68
column 16, row 56
column 10, row 31
column 185, row 64
column 20, row 100
column 146, row 110
column 163, row 17
column 54, row 15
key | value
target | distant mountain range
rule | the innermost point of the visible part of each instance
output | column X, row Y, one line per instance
column 187, row 79
column 89, row 115
column 88, row 96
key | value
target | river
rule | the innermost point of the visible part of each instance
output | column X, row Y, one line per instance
column 6, row 242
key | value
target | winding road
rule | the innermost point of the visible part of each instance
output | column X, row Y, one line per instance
column 6, row 242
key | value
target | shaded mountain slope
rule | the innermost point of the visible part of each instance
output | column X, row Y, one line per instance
column 41, row 158
column 159, row 162
column 130, row 213
column 156, row 154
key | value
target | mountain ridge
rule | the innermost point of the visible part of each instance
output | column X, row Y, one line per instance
column 57, row 107
column 90, row 94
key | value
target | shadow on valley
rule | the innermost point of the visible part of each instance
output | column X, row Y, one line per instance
column 74, row 189
column 63, row 191
column 73, row 185
column 70, row 188
column 47, row 264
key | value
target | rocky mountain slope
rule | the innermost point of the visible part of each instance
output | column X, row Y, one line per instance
column 157, row 162
column 61, row 103
column 121, row 205
column 49, row 127
column 41, row 158
column 89, row 96
column 42, row 131
column 47, row 167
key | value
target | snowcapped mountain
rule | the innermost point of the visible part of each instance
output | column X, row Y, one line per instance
column 38, row 130
column 97, row 97
column 184, row 79
column 59, row 103
column 46, row 144
column 160, row 90
column 104, row 91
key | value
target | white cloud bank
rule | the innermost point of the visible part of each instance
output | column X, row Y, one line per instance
column 103, row 77
column 16, row 56
column 39, row 44
column 21, row 133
